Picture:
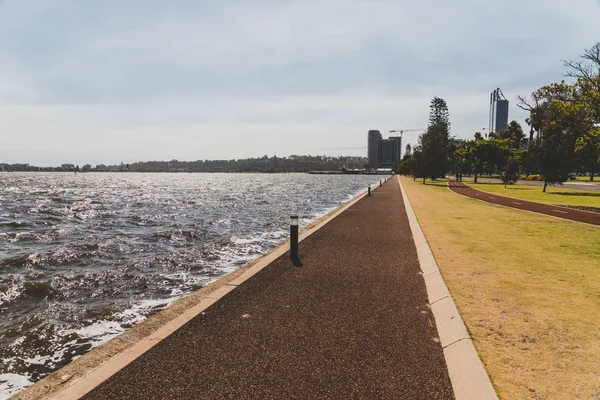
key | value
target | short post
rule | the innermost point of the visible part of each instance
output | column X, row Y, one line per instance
column 294, row 241
column 369, row 190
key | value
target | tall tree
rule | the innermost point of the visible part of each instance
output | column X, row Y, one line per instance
column 586, row 71
column 438, row 114
column 587, row 151
column 555, row 151
column 435, row 143
column 564, row 118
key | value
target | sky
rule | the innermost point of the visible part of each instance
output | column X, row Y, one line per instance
column 123, row 81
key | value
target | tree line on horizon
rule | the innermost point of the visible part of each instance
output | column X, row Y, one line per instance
column 564, row 135
column 264, row 164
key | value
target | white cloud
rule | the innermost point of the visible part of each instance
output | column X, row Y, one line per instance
column 110, row 82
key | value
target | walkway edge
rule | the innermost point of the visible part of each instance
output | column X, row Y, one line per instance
column 469, row 379
column 78, row 386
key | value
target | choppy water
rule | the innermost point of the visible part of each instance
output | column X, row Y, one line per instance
column 84, row 257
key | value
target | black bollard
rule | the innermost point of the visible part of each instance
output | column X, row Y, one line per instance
column 369, row 190
column 294, row 241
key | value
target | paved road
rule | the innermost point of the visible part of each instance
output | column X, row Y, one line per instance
column 352, row 323
column 555, row 211
column 578, row 185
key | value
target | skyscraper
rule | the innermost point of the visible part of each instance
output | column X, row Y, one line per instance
column 389, row 152
column 498, row 111
column 373, row 140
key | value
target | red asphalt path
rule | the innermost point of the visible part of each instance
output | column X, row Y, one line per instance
column 555, row 211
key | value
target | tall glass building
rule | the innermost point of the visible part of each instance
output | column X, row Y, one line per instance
column 498, row 111
column 373, row 140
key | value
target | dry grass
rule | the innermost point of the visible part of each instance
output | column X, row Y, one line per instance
column 554, row 195
column 528, row 288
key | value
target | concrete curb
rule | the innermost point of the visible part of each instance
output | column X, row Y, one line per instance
column 468, row 377
column 92, row 378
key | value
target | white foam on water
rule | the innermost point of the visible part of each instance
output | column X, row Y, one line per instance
column 102, row 331
column 267, row 210
column 97, row 333
column 11, row 384
column 11, row 293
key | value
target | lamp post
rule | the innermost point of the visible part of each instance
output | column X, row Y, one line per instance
column 294, row 241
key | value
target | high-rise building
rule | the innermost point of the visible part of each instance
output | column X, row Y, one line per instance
column 498, row 111
column 398, row 150
column 390, row 151
column 385, row 153
column 387, row 148
column 373, row 140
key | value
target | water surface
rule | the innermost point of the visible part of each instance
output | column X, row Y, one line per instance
column 84, row 257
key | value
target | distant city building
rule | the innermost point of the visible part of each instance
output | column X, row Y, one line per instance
column 390, row 152
column 373, row 140
column 397, row 150
column 384, row 153
column 498, row 111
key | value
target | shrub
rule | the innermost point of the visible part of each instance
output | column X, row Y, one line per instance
column 534, row 178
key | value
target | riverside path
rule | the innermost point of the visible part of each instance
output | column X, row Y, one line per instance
column 352, row 323
column 555, row 211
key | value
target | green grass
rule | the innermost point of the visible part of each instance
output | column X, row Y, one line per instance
column 527, row 286
column 554, row 195
column 587, row 179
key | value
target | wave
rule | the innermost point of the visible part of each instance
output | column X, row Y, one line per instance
column 80, row 263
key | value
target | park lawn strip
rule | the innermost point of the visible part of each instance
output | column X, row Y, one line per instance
column 527, row 287
column 553, row 195
column 587, row 179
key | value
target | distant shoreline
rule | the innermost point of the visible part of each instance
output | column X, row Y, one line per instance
column 216, row 172
column 263, row 164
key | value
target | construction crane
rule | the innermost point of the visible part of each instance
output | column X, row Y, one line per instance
column 401, row 131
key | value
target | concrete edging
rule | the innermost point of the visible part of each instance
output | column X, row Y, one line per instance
column 467, row 375
column 96, row 375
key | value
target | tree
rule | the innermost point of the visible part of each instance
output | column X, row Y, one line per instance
column 438, row 114
column 586, row 71
column 435, row 143
column 587, row 151
column 412, row 164
column 561, row 117
column 510, row 173
column 514, row 134
column 484, row 155
column 555, row 151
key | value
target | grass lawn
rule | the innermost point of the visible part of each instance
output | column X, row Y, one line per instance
column 554, row 195
column 527, row 286
column 587, row 179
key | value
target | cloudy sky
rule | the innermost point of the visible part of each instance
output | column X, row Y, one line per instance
column 129, row 80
